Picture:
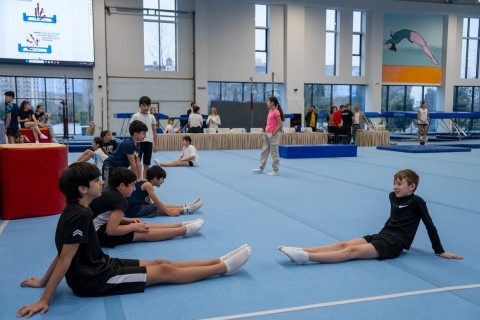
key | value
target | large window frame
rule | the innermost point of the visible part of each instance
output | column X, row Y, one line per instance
column 470, row 48
column 466, row 99
column 324, row 96
column 357, row 43
column 244, row 91
column 262, row 24
column 50, row 93
column 160, row 23
column 331, row 34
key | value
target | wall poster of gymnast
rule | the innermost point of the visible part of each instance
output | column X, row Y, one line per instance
column 412, row 48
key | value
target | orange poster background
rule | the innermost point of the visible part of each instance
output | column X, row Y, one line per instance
column 412, row 74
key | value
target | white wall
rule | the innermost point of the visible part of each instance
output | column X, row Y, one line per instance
column 218, row 45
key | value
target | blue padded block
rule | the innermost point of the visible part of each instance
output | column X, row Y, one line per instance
column 424, row 149
column 317, row 151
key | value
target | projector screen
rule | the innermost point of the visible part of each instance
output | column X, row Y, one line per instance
column 46, row 32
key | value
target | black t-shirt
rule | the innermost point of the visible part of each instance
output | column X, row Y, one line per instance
column 405, row 216
column 90, row 264
column 110, row 200
column 110, row 146
column 347, row 117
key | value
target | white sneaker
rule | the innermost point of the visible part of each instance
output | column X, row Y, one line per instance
column 273, row 173
column 192, row 208
column 194, row 201
column 193, row 227
column 258, row 170
column 43, row 137
column 54, row 140
column 157, row 162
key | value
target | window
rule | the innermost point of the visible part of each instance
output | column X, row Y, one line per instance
column 357, row 42
column 50, row 92
column 466, row 99
column 406, row 98
column 242, row 91
column 470, row 50
column 261, row 39
column 323, row 96
column 331, row 44
column 160, row 35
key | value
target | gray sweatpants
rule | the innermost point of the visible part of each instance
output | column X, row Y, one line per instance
column 270, row 145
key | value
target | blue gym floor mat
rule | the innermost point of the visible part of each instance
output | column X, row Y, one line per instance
column 424, row 149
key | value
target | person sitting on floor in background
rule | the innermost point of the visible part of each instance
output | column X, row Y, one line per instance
column 92, row 273
column 144, row 203
column 406, row 211
column 109, row 144
column 43, row 119
column 21, row 138
column 114, row 229
column 188, row 156
column 27, row 119
column 98, row 153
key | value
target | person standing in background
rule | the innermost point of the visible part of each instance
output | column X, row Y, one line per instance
column 150, row 144
column 213, row 120
column 271, row 137
column 311, row 118
column 11, row 116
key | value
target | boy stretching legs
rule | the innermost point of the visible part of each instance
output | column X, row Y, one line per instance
column 144, row 203
column 113, row 229
column 406, row 211
column 89, row 271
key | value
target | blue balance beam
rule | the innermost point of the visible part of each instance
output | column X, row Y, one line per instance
column 317, row 151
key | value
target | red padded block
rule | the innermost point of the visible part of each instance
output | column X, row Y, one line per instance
column 29, row 175
column 29, row 134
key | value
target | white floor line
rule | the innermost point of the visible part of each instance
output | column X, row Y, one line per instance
column 350, row 301
column 3, row 225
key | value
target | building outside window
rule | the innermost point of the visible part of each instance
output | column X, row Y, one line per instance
column 261, row 38
column 160, row 20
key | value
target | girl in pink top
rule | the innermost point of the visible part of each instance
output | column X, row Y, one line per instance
column 271, row 137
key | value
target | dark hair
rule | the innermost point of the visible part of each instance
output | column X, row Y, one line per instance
column 38, row 107
column 137, row 126
column 23, row 104
column 195, row 108
column 10, row 94
column 104, row 133
column 156, row 172
column 99, row 141
column 192, row 104
column 187, row 138
column 78, row 174
column 121, row 175
column 274, row 100
column 145, row 100
column 332, row 107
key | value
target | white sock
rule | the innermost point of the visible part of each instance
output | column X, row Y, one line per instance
column 184, row 223
column 193, row 227
column 296, row 255
column 233, row 252
column 194, row 201
column 192, row 208
column 236, row 261
column 42, row 136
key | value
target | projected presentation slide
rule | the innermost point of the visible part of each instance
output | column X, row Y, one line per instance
column 48, row 32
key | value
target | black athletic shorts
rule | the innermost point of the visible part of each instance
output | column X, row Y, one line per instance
column 145, row 152
column 387, row 249
column 11, row 132
column 112, row 241
column 126, row 276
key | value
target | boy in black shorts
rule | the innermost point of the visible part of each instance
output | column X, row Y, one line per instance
column 89, row 271
column 114, row 229
column 406, row 211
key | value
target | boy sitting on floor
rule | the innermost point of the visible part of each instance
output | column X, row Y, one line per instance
column 91, row 272
column 144, row 203
column 406, row 211
column 188, row 156
column 113, row 229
